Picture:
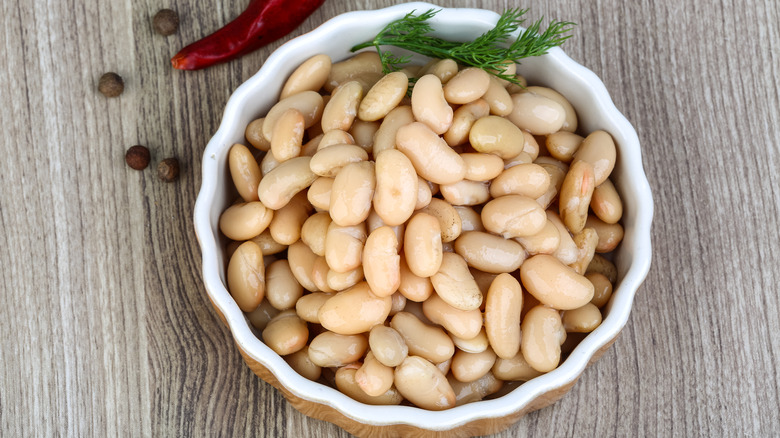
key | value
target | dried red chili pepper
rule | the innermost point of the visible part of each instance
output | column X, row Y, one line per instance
column 263, row 22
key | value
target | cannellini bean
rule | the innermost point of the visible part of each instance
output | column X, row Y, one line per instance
column 319, row 193
column 341, row 109
column 267, row 243
column 554, row 283
column 465, row 192
column 395, row 196
column 444, row 69
column 329, row 161
column 384, row 137
column 424, row 194
column 385, row 95
column 287, row 137
column 346, row 382
column 470, row 220
column 513, row 216
column 570, row 120
column 334, row 137
column 606, row 203
column 514, row 368
column 537, row 114
column 244, row 221
column 454, row 284
column 530, row 146
column 268, row 163
column 387, row 345
column 260, row 317
column 467, row 86
column 244, row 171
column 449, row 219
column 254, row 135
column 354, row 310
column 308, row 306
column 510, row 69
column 412, row 286
column 423, row 340
column 527, row 179
column 352, row 192
column 519, row 87
column 246, row 276
column 482, row 167
column 464, row 324
column 344, row 246
column 365, row 64
column 556, row 182
column 542, row 336
column 374, row 221
column 302, row 364
column 562, row 145
column 345, row 280
column 602, row 288
column 586, row 241
column 609, row 235
column 285, row 227
column 582, row 320
column 383, row 267
column 330, row 349
column 603, row 266
column 420, row 382
column 373, row 377
column 567, row 251
column 363, row 132
column 496, row 135
column 308, row 103
column 489, row 253
column 467, row 392
column 282, row 290
column 599, row 150
column 314, row 230
column 432, row 158
column 302, row 260
column 477, row 344
column 469, row 367
column 504, row 302
column 463, row 119
column 498, row 98
column 545, row 241
column 422, row 245
column 576, row 192
column 286, row 333
column 319, row 274
column 309, row 76
column 285, row 181
column 429, row 105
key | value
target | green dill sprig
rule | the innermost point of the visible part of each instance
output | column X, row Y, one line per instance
column 488, row 52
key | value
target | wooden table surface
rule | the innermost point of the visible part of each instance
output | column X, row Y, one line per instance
column 106, row 329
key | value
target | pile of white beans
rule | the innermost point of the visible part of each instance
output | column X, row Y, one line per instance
column 431, row 249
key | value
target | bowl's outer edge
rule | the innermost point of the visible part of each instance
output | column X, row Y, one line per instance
column 536, row 394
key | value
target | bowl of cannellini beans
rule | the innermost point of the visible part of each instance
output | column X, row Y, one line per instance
column 437, row 263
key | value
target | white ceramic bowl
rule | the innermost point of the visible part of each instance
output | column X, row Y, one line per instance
column 556, row 70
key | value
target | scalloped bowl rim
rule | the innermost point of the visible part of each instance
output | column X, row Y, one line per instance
column 636, row 242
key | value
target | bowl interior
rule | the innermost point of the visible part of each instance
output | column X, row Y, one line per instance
column 556, row 70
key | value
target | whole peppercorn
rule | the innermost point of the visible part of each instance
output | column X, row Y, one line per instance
column 137, row 157
column 165, row 22
column 168, row 169
column 111, row 84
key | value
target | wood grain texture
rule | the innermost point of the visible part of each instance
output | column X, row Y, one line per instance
column 106, row 329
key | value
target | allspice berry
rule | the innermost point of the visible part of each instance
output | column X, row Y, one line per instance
column 111, row 84
column 168, row 169
column 137, row 157
column 165, row 22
